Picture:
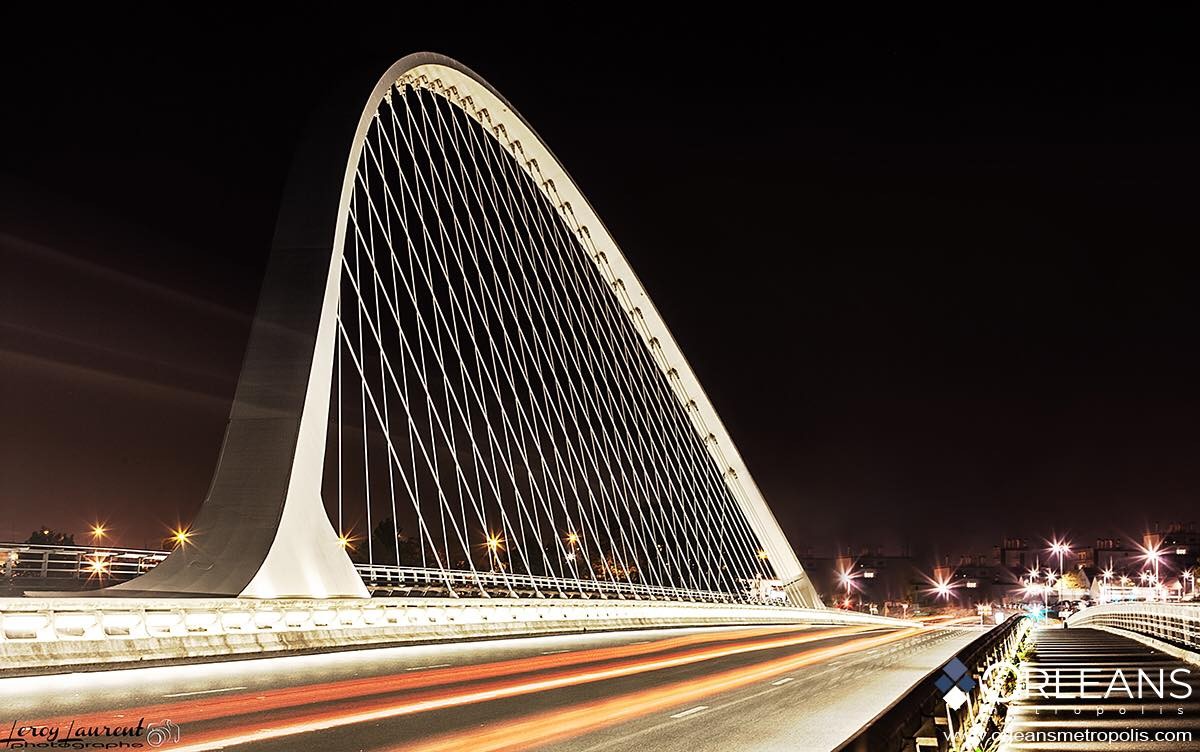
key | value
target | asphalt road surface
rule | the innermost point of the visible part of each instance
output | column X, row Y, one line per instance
column 728, row 689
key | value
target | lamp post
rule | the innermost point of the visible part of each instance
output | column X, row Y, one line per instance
column 1060, row 549
column 494, row 544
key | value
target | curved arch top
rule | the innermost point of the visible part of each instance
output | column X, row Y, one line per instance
column 263, row 531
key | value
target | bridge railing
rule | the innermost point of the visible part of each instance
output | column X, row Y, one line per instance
column 388, row 580
column 1176, row 624
column 918, row 720
column 36, row 567
column 74, row 566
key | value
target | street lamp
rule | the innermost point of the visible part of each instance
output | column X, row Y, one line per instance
column 846, row 579
column 181, row 536
column 98, row 532
column 494, row 544
column 1154, row 555
column 1060, row 549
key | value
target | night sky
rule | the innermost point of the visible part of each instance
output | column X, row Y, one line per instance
column 940, row 289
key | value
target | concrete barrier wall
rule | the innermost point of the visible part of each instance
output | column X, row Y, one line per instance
column 71, row 634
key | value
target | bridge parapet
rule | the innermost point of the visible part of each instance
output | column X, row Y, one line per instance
column 39, row 635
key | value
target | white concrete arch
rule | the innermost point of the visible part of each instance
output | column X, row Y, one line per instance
column 304, row 557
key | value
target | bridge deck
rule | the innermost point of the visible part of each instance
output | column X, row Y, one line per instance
column 1068, row 719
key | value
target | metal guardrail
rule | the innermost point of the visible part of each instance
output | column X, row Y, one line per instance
column 74, row 565
column 1174, row 624
column 915, row 722
column 404, row 580
column 34, row 567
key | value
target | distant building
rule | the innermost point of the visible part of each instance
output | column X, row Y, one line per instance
column 1014, row 554
column 871, row 577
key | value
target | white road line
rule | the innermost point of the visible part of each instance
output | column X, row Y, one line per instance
column 204, row 692
column 782, row 681
column 555, row 652
column 690, row 711
column 422, row 668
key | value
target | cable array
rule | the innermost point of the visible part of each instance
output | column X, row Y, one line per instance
column 499, row 426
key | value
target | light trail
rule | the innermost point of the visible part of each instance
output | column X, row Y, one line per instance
column 432, row 676
column 382, row 709
column 557, row 725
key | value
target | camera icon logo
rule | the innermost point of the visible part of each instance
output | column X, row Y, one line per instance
column 163, row 732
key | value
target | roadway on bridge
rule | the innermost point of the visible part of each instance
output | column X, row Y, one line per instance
column 751, row 688
column 1064, row 714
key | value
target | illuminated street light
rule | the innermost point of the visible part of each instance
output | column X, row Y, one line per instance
column 98, row 532
column 1153, row 555
column 494, row 543
column 1061, row 549
column 572, row 538
column 846, row 579
column 345, row 541
column 182, row 536
column 762, row 554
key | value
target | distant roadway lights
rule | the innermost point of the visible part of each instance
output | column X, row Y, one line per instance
column 345, row 541
column 762, row 554
column 182, row 536
column 98, row 533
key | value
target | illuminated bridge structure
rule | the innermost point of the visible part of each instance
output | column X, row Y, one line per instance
column 453, row 372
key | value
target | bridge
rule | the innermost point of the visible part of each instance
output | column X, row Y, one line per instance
column 472, row 496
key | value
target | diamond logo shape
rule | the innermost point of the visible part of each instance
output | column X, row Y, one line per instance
column 955, row 669
column 943, row 683
column 955, row 698
column 965, row 683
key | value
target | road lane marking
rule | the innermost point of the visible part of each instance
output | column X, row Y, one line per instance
column 555, row 652
column 422, row 668
column 690, row 711
column 204, row 692
column 782, row 681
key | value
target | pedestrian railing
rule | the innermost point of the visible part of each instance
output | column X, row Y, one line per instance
column 45, row 567
column 1176, row 624
column 74, row 566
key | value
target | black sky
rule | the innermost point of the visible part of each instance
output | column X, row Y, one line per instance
column 940, row 287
